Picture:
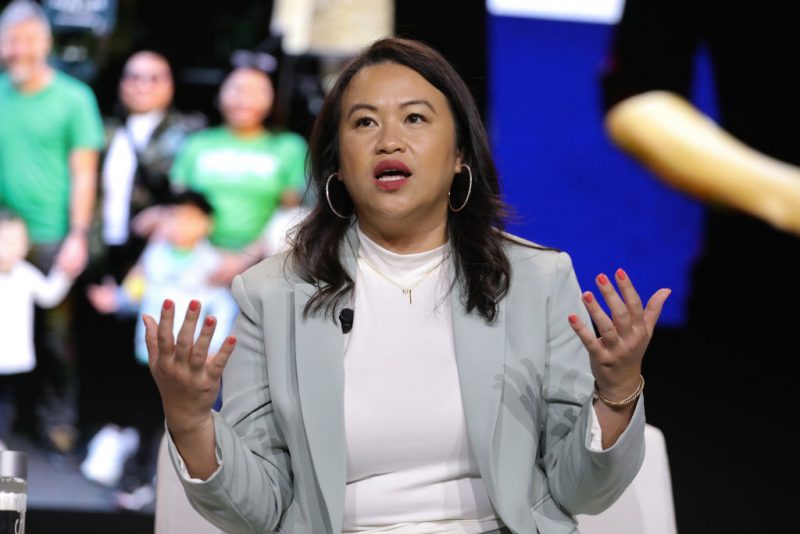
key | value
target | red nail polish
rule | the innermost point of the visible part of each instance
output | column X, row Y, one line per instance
column 603, row 279
column 168, row 304
column 193, row 305
column 209, row 321
column 573, row 319
column 588, row 298
column 621, row 274
column 231, row 340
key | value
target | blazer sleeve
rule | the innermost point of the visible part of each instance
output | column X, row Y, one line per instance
column 581, row 481
column 252, row 488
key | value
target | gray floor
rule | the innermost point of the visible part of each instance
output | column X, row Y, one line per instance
column 55, row 483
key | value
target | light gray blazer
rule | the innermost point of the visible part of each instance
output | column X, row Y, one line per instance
column 525, row 385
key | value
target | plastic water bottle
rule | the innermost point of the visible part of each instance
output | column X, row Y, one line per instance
column 13, row 491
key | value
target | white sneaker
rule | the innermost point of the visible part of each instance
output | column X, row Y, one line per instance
column 137, row 499
column 108, row 451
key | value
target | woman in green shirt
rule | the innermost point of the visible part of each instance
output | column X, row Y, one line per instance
column 244, row 170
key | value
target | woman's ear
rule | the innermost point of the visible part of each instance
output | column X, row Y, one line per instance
column 459, row 162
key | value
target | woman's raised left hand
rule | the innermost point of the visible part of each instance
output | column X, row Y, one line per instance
column 616, row 356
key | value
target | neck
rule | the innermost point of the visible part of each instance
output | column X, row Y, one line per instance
column 186, row 247
column 406, row 240
column 247, row 131
column 37, row 81
column 151, row 112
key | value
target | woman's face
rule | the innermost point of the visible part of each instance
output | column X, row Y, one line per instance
column 397, row 146
column 246, row 99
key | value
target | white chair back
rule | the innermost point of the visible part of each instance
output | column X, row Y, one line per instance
column 174, row 514
column 646, row 507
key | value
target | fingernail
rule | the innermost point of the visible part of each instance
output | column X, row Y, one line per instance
column 573, row 319
column 588, row 298
column 603, row 279
column 209, row 321
column 144, row 320
column 231, row 340
column 168, row 304
column 621, row 274
column 193, row 305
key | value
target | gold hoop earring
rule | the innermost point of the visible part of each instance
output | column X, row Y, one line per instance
column 469, row 191
column 328, row 196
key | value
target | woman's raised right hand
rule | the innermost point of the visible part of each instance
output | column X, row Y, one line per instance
column 188, row 379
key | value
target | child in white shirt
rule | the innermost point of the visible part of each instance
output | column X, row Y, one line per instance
column 21, row 286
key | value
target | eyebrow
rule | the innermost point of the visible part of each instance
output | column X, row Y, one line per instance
column 369, row 107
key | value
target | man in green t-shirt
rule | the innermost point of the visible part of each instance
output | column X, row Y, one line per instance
column 50, row 134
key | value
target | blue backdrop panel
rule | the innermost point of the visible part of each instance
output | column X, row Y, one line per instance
column 570, row 187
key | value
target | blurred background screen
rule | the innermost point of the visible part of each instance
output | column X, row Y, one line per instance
column 571, row 188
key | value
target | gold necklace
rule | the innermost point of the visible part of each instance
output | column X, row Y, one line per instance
column 405, row 289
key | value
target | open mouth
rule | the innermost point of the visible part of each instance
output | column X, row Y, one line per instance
column 392, row 175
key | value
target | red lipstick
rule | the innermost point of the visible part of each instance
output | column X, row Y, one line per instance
column 391, row 174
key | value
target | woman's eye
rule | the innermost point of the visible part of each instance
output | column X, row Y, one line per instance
column 365, row 121
column 415, row 118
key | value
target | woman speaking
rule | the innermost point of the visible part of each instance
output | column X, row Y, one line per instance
column 407, row 366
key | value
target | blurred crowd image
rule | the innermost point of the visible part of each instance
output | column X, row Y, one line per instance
column 101, row 219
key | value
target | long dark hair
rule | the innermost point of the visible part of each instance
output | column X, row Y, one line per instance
column 475, row 233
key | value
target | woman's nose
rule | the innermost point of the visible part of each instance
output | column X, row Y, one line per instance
column 390, row 140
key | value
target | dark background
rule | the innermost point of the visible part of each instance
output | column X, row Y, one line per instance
column 200, row 39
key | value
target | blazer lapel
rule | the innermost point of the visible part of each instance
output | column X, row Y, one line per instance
column 319, row 356
column 480, row 356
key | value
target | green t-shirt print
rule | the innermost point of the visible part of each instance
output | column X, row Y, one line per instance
column 38, row 132
column 242, row 178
